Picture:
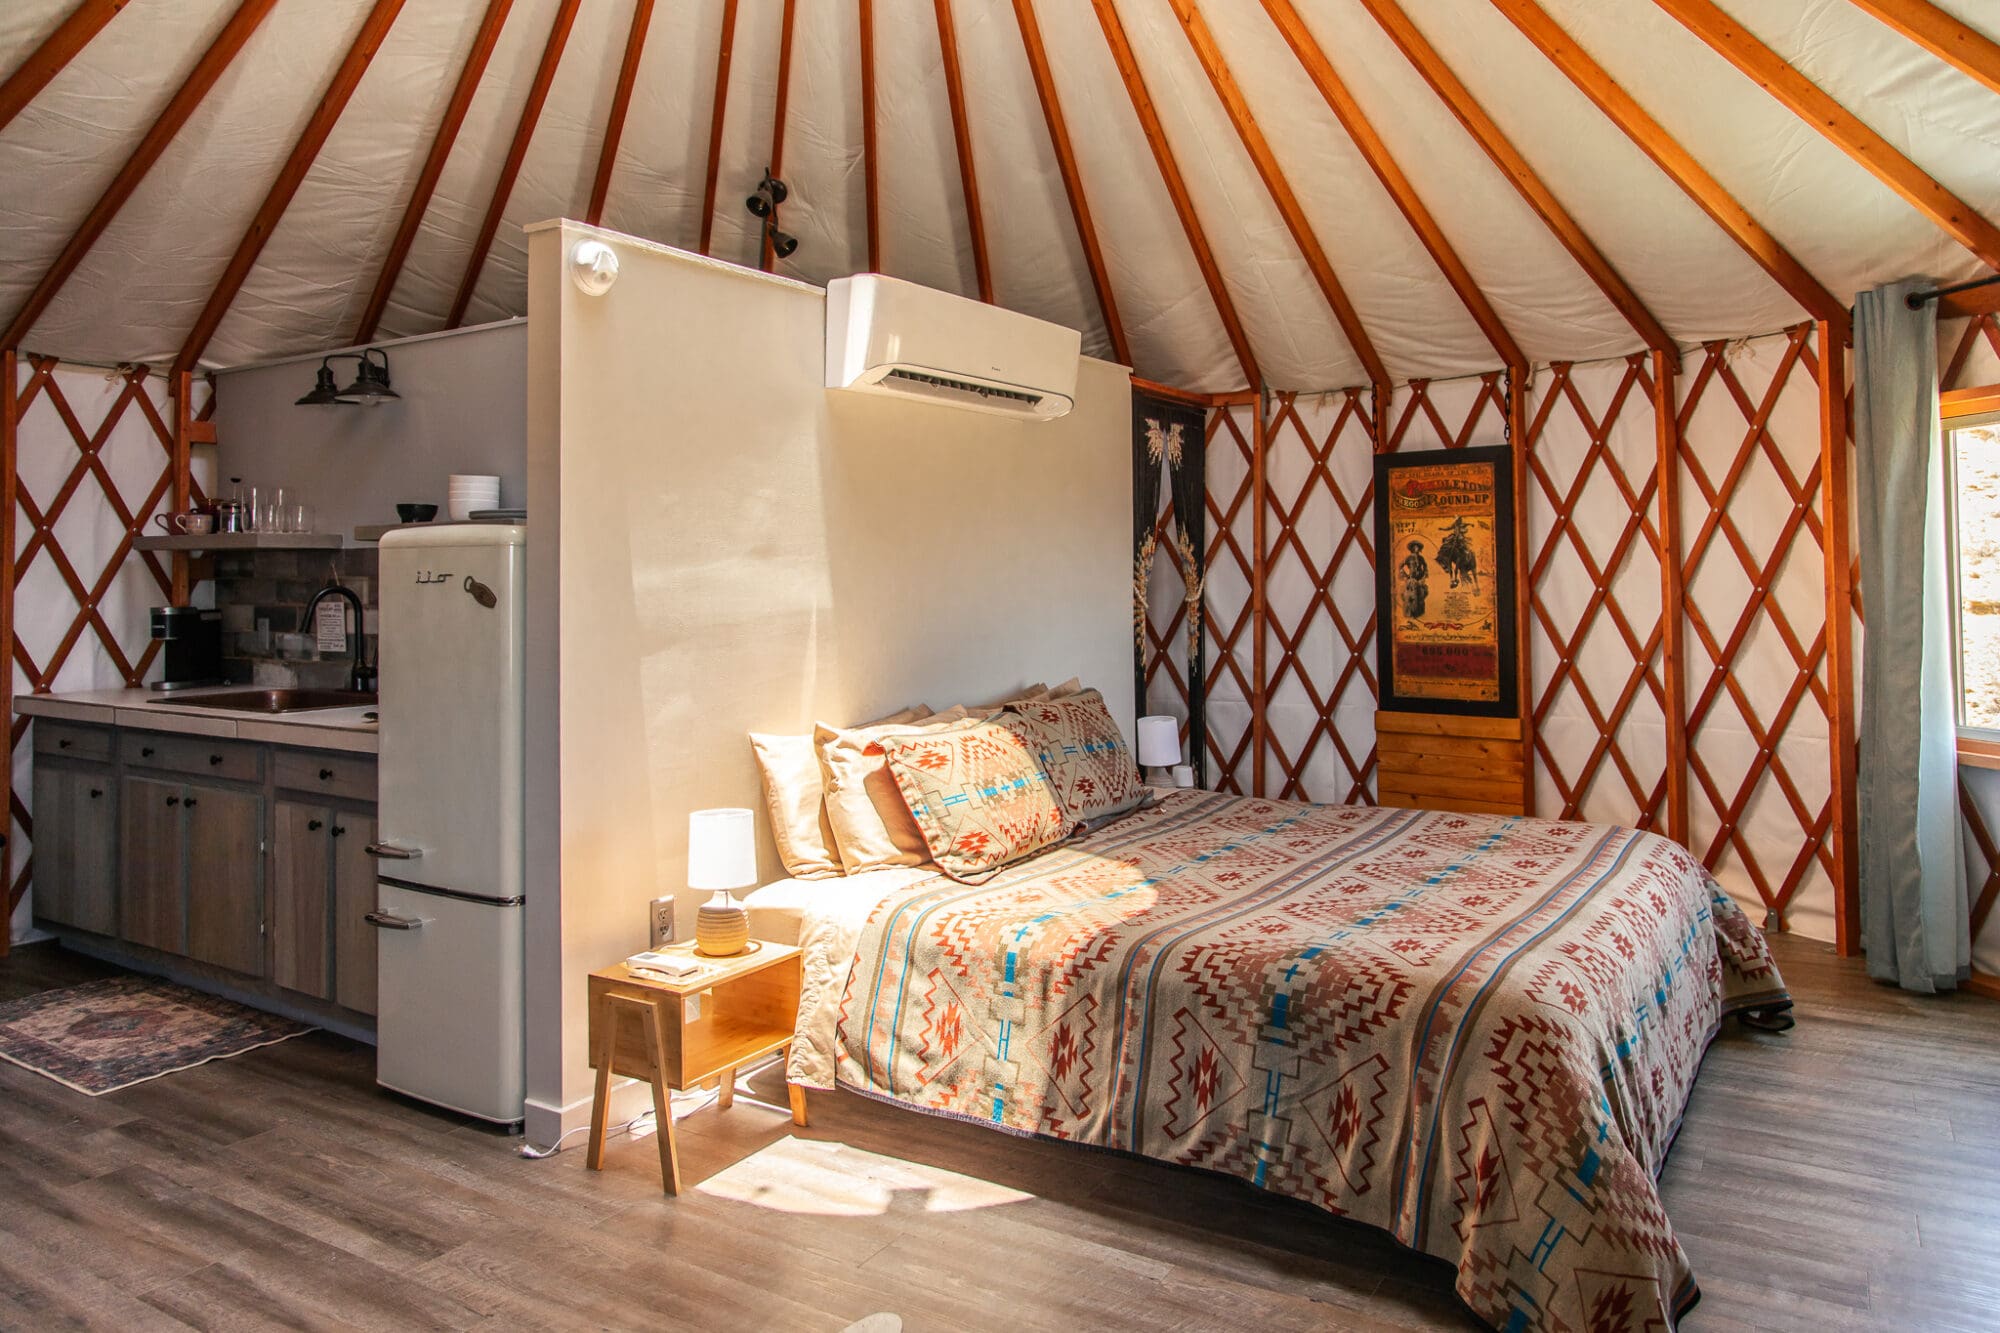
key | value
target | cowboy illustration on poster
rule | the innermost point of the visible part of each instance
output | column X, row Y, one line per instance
column 1447, row 622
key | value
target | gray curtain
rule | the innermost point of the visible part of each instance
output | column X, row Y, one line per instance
column 1914, row 922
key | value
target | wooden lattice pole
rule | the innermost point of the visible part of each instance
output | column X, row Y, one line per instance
column 1260, row 607
column 1524, row 587
column 1673, row 591
column 1836, row 502
column 9, row 438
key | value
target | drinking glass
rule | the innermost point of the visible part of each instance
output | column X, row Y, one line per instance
column 253, row 509
column 298, row 518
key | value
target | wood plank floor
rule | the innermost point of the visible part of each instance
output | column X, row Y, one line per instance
column 1843, row 1176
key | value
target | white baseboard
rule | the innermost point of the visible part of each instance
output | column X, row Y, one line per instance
column 548, row 1123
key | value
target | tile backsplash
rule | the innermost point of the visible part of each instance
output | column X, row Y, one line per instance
column 262, row 596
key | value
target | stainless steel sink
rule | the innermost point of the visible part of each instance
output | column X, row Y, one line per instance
column 273, row 701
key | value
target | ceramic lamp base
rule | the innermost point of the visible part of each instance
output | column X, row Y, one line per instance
column 722, row 927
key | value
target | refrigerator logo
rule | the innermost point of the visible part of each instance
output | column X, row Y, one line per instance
column 425, row 576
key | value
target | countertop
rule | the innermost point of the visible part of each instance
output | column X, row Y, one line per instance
column 319, row 728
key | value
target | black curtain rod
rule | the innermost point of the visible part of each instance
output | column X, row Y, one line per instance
column 1917, row 300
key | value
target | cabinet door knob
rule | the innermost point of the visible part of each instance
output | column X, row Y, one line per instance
column 190, row 803
column 64, row 743
column 146, row 753
column 313, row 826
column 173, row 800
column 96, row 792
column 214, row 759
column 339, row 829
column 325, row 773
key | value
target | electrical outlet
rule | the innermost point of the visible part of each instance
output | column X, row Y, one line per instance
column 660, row 922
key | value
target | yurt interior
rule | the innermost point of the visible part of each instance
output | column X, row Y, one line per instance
column 1000, row 664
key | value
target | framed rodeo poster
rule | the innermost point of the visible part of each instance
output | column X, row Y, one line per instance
column 1444, row 582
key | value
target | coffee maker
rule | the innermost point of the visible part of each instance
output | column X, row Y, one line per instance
column 193, row 639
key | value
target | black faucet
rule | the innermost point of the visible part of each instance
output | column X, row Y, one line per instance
column 359, row 677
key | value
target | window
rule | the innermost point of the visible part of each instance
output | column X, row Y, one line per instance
column 1972, row 457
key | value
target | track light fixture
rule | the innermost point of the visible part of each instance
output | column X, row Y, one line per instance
column 782, row 242
column 770, row 193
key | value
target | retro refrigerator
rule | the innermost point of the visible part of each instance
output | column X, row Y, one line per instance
column 450, row 1021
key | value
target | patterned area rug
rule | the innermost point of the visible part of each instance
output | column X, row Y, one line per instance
column 111, row 1034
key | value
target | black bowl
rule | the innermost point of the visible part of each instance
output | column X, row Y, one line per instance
column 416, row 513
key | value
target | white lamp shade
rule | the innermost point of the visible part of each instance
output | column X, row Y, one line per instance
column 1159, row 741
column 722, row 849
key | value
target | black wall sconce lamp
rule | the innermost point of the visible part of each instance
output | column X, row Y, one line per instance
column 764, row 204
column 370, row 386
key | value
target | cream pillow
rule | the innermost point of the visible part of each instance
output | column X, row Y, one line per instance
column 1074, row 685
column 871, row 825
column 794, row 797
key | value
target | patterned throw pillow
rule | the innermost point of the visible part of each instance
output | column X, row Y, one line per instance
column 979, row 795
column 1083, row 752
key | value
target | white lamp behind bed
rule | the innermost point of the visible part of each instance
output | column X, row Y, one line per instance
column 722, row 855
column 1159, row 747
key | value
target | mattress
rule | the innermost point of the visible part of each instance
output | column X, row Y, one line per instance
column 1477, row 1033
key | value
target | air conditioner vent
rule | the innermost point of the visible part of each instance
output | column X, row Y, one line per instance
column 890, row 337
column 949, row 384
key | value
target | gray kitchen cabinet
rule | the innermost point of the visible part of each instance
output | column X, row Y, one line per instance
column 152, row 859
column 323, row 886
column 193, row 871
column 246, row 857
column 225, row 877
column 76, row 844
column 301, row 879
column 354, row 940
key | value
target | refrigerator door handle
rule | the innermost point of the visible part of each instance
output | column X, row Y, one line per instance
column 388, row 851
column 390, row 921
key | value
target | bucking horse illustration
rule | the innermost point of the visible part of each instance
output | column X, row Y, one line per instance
column 1454, row 553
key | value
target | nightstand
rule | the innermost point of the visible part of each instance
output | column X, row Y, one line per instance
column 679, row 1034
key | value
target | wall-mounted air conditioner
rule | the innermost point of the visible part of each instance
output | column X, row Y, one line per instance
column 887, row 336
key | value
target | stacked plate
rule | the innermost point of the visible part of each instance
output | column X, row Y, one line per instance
column 468, row 493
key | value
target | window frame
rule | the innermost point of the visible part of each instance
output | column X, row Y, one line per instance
column 1957, row 409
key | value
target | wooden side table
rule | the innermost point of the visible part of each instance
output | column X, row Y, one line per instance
column 679, row 1034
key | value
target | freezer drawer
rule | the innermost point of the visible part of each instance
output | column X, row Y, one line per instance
column 450, row 1025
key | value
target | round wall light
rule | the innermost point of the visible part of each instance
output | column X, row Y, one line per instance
column 593, row 267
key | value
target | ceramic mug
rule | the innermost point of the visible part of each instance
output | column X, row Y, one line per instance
column 193, row 523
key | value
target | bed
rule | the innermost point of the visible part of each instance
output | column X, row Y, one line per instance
column 1477, row 1033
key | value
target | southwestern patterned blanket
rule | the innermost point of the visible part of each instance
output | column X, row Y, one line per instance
column 1477, row 1033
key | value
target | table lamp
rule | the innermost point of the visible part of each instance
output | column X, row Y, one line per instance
column 1159, row 747
column 722, row 855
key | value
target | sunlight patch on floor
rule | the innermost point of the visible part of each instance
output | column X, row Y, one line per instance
column 835, row 1180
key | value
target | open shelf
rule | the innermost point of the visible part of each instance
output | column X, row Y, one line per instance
column 242, row 541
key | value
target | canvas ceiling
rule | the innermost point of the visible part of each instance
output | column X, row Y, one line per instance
column 137, row 293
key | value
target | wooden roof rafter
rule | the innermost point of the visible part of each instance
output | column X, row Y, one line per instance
column 1680, row 166
column 961, row 133
column 1289, row 208
column 1839, row 126
column 621, row 104
column 1079, row 203
column 517, row 153
column 346, row 77
column 776, row 163
column 725, row 49
column 1951, row 41
column 870, row 200
column 1362, row 132
column 1170, row 175
column 221, row 52
column 419, row 203
column 52, row 57
column 1526, row 181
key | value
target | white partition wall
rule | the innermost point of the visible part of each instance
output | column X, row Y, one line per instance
column 718, row 544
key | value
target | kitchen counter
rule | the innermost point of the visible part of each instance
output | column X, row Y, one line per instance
column 320, row 728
